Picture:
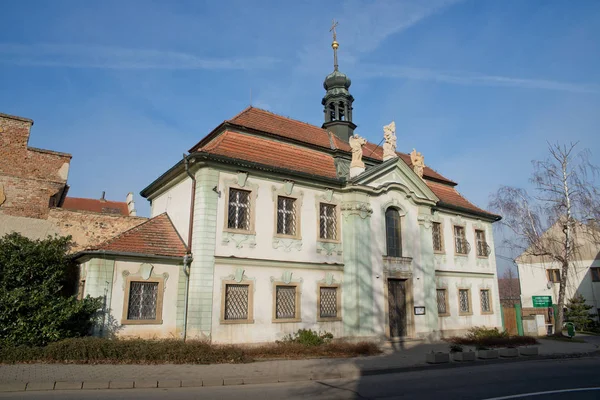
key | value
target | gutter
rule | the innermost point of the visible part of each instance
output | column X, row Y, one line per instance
column 187, row 259
column 491, row 217
column 123, row 254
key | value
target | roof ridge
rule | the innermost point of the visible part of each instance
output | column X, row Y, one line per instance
column 240, row 113
column 89, row 198
column 280, row 116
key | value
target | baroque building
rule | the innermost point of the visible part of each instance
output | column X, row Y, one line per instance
column 270, row 225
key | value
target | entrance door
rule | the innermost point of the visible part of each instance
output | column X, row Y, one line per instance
column 397, row 307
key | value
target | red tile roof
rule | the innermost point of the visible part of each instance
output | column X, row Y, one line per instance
column 269, row 152
column 448, row 194
column 157, row 236
column 96, row 205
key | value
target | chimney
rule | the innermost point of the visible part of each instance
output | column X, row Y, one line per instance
column 103, row 194
column 130, row 204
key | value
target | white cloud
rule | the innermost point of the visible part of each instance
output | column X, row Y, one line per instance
column 112, row 57
column 474, row 79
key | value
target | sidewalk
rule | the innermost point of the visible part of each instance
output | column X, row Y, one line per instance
column 21, row 377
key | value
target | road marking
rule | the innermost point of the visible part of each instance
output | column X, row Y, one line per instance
column 516, row 396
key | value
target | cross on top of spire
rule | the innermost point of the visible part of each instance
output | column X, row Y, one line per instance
column 334, row 44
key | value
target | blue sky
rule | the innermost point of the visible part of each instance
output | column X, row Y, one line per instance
column 477, row 86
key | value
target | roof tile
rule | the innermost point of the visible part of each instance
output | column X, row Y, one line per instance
column 96, row 205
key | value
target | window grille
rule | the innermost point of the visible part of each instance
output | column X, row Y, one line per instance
column 463, row 299
column 441, row 301
column 485, row 301
column 328, row 221
column 461, row 245
column 437, row 236
column 285, row 302
column 239, row 209
column 483, row 250
column 393, row 233
column 328, row 306
column 286, row 216
column 236, row 302
column 142, row 300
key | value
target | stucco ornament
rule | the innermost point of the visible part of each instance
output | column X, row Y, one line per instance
column 146, row 271
column 2, row 195
column 361, row 209
column 287, row 244
column 239, row 239
column 329, row 248
column 418, row 162
column 389, row 147
column 356, row 143
column 242, row 177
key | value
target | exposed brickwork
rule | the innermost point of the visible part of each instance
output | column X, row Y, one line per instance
column 29, row 176
column 88, row 228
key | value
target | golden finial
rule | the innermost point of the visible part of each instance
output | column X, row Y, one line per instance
column 334, row 44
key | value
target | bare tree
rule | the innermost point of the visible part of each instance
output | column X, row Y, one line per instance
column 508, row 286
column 566, row 204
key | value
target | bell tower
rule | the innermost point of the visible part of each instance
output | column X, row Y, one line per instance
column 337, row 101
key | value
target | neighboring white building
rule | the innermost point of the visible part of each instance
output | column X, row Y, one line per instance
column 540, row 277
column 293, row 226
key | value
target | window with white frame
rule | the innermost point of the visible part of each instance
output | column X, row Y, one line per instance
column 461, row 246
column 483, row 250
column 442, row 302
column 486, row 304
column 328, row 221
column 464, row 301
column 142, row 303
column 286, row 216
column 238, row 216
column 286, row 302
column 236, row 302
column 329, row 302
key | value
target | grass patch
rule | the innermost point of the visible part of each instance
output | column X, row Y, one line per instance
column 91, row 350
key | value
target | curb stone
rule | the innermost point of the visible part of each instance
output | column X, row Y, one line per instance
column 349, row 374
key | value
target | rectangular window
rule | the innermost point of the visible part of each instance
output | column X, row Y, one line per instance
column 236, row 302
column 486, row 306
column 464, row 301
column 553, row 275
column 143, row 298
column 328, row 221
column 286, row 216
column 461, row 246
column 285, row 302
column 442, row 302
column 482, row 246
column 238, row 216
column 437, row 237
column 328, row 307
column 595, row 274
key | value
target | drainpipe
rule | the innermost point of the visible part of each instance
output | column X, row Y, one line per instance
column 187, row 259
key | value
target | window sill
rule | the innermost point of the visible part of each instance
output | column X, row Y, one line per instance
column 461, row 254
column 487, row 313
column 286, row 321
column 440, row 252
column 235, row 321
column 329, row 319
column 483, row 257
column 282, row 236
column 141, row 322
column 329, row 240
column 444, row 315
column 465, row 314
column 240, row 231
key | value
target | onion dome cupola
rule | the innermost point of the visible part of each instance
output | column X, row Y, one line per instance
column 337, row 101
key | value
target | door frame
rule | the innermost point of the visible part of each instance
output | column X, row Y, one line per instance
column 410, row 321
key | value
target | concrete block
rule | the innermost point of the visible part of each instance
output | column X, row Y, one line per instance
column 508, row 352
column 31, row 386
column 437, row 358
column 487, row 354
column 145, row 384
column 464, row 356
column 192, row 383
column 121, row 385
column 233, row 381
column 254, row 380
column 95, row 384
column 12, row 387
column 68, row 385
column 212, row 382
column 528, row 351
column 169, row 384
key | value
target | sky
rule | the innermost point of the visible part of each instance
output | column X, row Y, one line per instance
column 477, row 86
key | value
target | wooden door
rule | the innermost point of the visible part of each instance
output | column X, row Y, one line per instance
column 397, row 307
column 510, row 320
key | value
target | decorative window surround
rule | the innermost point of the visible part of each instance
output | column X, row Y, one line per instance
column 329, row 198
column 397, row 264
column 288, row 281
column 442, row 249
column 465, row 245
column 445, row 300
column 329, row 282
column 287, row 190
column 144, row 274
column 485, row 247
column 240, row 183
column 469, row 301
column 238, row 278
column 489, row 300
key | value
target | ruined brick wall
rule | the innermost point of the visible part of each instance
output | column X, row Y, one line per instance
column 29, row 177
column 89, row 228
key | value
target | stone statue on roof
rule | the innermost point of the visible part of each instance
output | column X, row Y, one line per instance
column 389, row 147
column 418, row 162
column 356, row 143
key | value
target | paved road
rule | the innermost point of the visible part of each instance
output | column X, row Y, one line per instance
column 473, row 382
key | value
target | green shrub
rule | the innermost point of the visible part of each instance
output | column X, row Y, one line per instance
column 578, row 312
column 308, row 337
column 481, row 332
column 456, row 348
column 37, row 305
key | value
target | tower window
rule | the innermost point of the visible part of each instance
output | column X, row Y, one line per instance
column 341, row 111
column 332, row 112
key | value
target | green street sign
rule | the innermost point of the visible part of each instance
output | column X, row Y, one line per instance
column 542, row 301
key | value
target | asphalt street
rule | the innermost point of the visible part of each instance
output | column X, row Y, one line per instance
column 572, row 379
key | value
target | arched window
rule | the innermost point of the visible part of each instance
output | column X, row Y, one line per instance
column 393, row 233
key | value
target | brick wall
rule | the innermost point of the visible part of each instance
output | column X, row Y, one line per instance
column 88, row 228
column 29, row 177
